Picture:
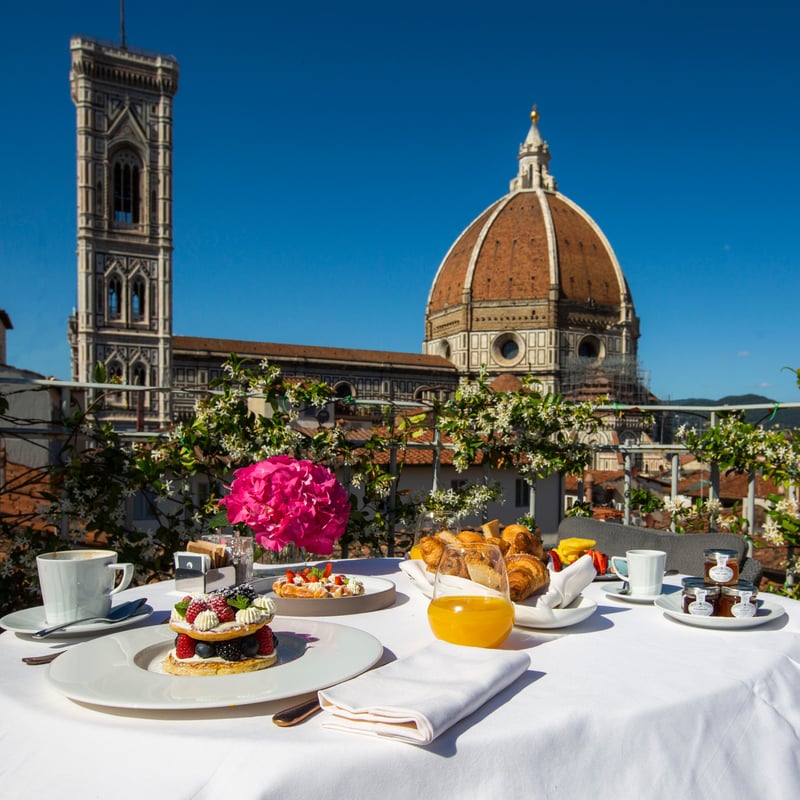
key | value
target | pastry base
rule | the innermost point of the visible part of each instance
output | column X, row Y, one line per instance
column 209, row 667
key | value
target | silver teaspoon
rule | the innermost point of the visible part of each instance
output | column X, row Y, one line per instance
column 121, row 612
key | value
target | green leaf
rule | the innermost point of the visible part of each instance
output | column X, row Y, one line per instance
column 182, row 606
column 239, row 602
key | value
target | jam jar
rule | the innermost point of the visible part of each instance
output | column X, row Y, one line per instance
column 739, row 600
column 699, row 599
column 721, row 567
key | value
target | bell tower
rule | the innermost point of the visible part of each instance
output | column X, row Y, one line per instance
column 123, row 99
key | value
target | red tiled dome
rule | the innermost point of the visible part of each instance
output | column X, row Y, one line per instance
column 532, row 286
column 522, row 245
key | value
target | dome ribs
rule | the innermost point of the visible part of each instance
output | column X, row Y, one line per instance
column 587, row 271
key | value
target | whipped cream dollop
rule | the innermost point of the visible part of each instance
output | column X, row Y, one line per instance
column 266, row 605
column 206, row 620
column 250, row 615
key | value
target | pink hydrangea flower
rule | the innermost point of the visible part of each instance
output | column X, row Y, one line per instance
column 285, row 500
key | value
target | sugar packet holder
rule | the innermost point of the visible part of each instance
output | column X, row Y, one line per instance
column 194, row 574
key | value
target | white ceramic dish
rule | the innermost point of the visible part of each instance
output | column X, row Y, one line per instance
column 31, row 620
column 526, row 615
column 767, row 612
column 122, row 670
column 615, row 591
column 378, row 593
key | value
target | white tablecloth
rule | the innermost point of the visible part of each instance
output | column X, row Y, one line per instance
column 628, row 703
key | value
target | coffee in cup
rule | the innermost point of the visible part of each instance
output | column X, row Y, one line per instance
column 642, row 569
column 77, row 584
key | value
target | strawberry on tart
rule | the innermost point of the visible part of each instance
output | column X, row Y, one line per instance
column 225, row 632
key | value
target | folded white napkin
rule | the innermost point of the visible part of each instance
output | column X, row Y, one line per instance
column 416, row 699
column 418, row 572
column 567, row 584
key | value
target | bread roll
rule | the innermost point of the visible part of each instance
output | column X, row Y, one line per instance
column 470, row 537
column 527, row 574
column 482, row 571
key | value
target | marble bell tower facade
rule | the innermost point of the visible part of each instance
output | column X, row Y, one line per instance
column 124, row 107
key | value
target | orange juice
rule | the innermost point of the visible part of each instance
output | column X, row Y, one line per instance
column 473, row 621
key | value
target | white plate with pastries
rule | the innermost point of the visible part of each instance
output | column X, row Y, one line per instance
column 526, row 613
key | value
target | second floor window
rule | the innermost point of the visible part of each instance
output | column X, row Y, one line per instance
column 137, row 299
column 127, row 190
column 114, row 298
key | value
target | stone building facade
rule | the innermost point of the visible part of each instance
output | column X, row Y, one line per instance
column 123, row 100
column 531, row 286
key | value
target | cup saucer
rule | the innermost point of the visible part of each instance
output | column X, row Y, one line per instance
column 615, row 591
column 31, row 620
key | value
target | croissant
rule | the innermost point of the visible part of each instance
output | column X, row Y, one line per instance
column 431, row 548
column 521, row 540
column 501, row 544
column 527, row 574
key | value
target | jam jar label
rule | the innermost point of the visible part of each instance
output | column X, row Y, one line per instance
column 744, row 608
column 699, row 607
column 721, row 572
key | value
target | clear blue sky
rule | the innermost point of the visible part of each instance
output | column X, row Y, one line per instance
column 327, row 155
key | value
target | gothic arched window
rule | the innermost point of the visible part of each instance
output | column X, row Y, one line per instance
column 127, row 176
column 137, row 299
column 139, row 375
column 114, row 297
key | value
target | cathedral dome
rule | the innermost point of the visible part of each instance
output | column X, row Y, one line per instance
column 531, row 285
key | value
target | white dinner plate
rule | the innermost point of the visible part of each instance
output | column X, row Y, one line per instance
column 615, row 591
column 671, row 606
column 31, row 620
column 123, row 670
column 526, row 615
column 378, row 593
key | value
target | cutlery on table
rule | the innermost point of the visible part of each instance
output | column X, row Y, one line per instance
column 297, row 714
column 36, row 660
column 118, row 614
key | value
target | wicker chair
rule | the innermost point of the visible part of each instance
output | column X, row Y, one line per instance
column 684, row 550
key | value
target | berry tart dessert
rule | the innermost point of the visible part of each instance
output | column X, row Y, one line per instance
column 316, row 583
column 225, row 632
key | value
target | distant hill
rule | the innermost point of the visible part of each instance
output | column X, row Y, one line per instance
column 783, row 417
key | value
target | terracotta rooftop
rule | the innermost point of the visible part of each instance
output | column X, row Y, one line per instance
column 197, row 344
column 506, row 383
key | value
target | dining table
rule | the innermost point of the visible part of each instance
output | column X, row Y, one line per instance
column 628, row 702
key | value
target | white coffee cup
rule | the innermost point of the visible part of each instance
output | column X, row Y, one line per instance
column 642, row 569
column 77, row 584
